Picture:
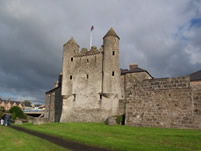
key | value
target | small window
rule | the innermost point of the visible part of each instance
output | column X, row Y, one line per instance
column 100, row 97
column 71, row 77
column 71, row 59
column 113, row 53
column 87, row 76
column 112, row 73
column 87, row 60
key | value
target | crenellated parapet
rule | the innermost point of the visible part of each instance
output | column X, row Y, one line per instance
column 92, row 51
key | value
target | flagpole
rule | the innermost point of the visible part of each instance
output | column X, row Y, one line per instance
column 90, row 45
column 90, row 40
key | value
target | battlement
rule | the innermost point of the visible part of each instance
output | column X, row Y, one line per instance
column 93, row 51
column 88, row 54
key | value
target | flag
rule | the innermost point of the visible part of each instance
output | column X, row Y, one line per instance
column 92, row 27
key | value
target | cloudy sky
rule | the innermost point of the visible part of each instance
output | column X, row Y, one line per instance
column 163, row 37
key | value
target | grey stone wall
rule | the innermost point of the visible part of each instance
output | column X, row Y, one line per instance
column 122, row 107
column 197, row 102
column 53, row 105
column 58, row 105
column 84, row 108
column 87, row 74
column 169, row 103
column 88, row 103
column 50, row 106
column 47, row 104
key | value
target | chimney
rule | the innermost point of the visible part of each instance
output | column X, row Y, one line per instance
column 60, row 79
column 56, row 84
column 9, row 99
column 133, row 66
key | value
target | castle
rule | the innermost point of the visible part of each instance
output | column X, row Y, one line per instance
column 93, row 88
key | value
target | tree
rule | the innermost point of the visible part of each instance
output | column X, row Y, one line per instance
column 27, row 103
column 2, row 111
column 18, row 112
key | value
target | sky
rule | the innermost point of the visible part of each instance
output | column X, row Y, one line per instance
column 162, row 37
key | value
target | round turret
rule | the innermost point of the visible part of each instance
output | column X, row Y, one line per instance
column 111, row 69
column 112, row 33
column 70, row 49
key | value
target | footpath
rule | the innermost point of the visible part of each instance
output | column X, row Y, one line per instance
column 73, row 146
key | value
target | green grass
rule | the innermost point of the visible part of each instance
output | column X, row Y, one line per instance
column 12, row 140
column 125, row 138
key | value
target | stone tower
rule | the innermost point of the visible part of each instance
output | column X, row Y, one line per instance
column 91, row 81
column 111, row 68
column 70, row 49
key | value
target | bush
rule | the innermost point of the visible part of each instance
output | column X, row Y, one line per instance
column 119, row 119
column 2, row 109
column 18, row 112
column 13, row 116
column 1, row 114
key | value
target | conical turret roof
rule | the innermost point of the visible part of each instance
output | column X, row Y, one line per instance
column 111, row 32
column 71, row 41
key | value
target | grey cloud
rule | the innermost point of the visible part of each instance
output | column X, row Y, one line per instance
column 32, row 34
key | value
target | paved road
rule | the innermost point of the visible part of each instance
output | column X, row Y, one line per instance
column 59, row 141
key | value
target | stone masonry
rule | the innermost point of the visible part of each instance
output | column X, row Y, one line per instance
column 168, row 102
column 93, row 88
column 90, row 88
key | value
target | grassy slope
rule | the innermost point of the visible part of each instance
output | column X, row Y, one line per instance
column 124, row 138
column 12, row 140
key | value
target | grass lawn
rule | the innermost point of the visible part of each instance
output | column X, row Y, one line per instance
column 124, row 138
column 12, row 140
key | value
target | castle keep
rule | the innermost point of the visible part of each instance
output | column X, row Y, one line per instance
column 93, row 88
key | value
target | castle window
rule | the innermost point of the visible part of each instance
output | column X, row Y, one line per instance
column 112, row 73
column 113, row 53
column 87, row 60
column 100, row 97
column 71, row 59
column 71, row 77
column 87, row 76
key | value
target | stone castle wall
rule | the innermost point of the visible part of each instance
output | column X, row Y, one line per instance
column 84, row 104
column 53, row 105
column 169, row 103
column 87, row 74
column 49, row 106
column 88, row 103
